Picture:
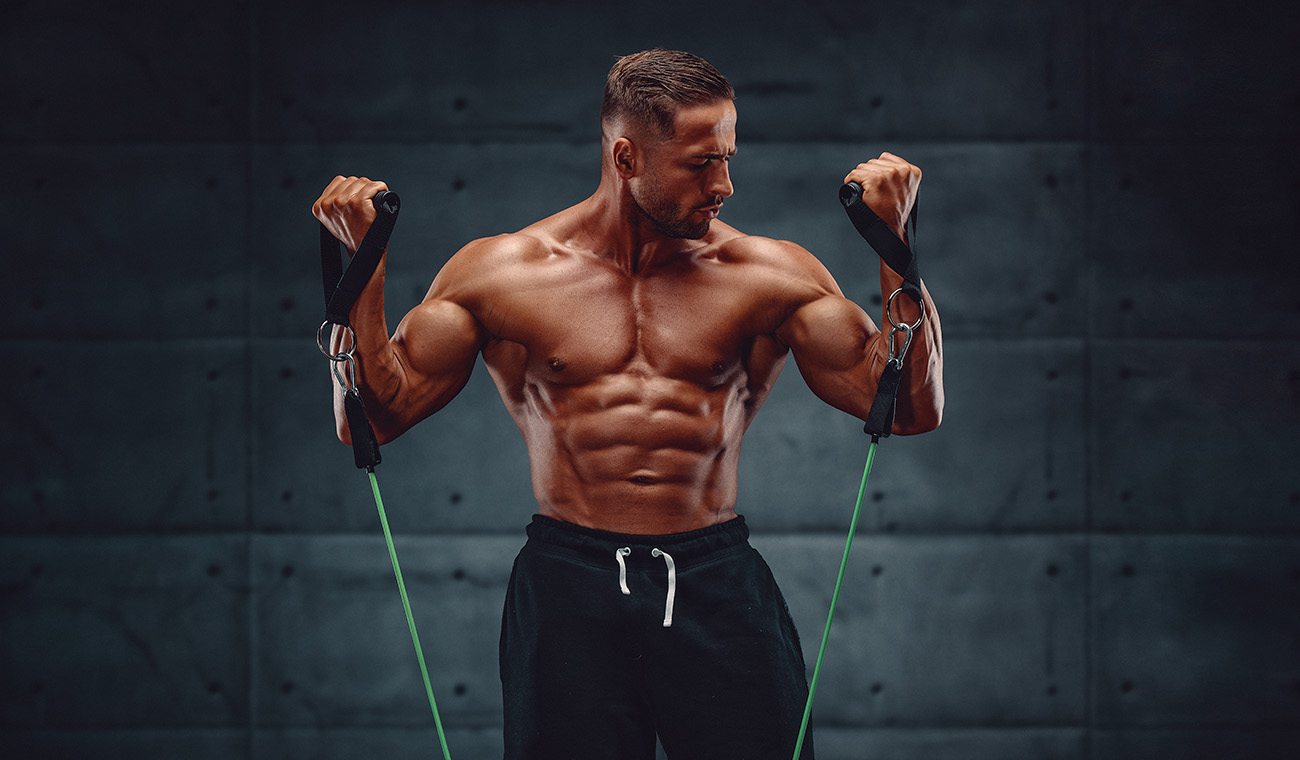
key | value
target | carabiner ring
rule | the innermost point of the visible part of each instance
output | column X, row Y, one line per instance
column 897, row 360
column 889, row 312
column 320, row 341
column 351, row 361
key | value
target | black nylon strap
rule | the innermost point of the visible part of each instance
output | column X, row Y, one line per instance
column 893, row 251
column 899, row 257
column 365, row 446
column 342, row 288
column 880, row 420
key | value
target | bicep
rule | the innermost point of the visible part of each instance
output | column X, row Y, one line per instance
column 832, row 339
column 437, row 344
column 828, row 333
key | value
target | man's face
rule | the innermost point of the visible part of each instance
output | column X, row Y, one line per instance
column 686, row 178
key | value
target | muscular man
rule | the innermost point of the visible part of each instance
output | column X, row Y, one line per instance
column 633, row 337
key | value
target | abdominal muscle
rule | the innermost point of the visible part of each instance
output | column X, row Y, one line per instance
column 634, row 453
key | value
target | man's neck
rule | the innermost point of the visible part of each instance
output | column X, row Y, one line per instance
column 619, row 232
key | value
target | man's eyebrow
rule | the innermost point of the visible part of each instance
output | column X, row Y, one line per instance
column 728, row 154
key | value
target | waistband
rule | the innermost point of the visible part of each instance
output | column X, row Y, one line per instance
column 600, row 545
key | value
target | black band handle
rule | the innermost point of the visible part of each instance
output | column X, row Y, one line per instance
column 896, row 254
column 342, row 288
column 341, row 291
column 387, row 201
column 899, row 257
column 851, row 193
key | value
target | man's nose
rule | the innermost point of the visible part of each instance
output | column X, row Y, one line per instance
column 720, row 181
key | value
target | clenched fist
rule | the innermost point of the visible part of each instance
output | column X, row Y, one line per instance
column 889, row 187
column 345, row 208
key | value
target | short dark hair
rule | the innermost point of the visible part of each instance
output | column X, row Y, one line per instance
column 648, row 87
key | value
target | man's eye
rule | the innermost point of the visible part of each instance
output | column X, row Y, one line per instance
column 700, row 166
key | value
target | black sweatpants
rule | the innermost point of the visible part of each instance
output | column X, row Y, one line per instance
column 608, row 639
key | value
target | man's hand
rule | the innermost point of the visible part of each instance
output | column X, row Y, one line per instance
column 889, row 187
column 345, row 208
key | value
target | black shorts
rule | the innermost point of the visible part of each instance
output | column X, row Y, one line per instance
column 608, row 639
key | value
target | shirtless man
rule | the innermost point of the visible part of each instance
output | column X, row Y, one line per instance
column 633, row 337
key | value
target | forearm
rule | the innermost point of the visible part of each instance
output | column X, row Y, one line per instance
column 417, row 371
column 919, row 406
column 841, row 355
column 377, row 380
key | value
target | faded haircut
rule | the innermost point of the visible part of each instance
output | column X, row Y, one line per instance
column 648, row 87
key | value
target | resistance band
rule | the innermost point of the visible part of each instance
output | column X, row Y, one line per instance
column 341, row 292
column 880, row 420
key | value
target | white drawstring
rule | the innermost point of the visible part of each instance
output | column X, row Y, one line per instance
column 622, row 569
column 619, row 554
column 672, row 585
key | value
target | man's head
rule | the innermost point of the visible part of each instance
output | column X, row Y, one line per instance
column 668, row 129
column 644, row 91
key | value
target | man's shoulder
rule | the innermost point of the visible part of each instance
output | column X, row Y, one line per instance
column 484, row 266
column 734, row 246
column 787, row 267
column 537, row 243
column 502, row 249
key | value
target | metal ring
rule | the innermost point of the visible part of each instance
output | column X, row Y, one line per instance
column 889, row 312
column 320, row 341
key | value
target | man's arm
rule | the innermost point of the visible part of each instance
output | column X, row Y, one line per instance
column 840, row 351
column 428, row 360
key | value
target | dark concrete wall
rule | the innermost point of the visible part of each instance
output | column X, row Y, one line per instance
column 1096, row 556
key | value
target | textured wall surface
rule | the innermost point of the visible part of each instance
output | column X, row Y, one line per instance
column 1096, row 556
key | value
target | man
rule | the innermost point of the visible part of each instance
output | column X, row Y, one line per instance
column 633, row 337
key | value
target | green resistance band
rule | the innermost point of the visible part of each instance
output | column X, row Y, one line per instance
column 835, row 597
column 410, row 620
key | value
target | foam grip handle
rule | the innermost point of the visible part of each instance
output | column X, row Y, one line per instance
column 850, row 194
column 387, row 200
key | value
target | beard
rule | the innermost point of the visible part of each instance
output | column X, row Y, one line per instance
column 668, row 217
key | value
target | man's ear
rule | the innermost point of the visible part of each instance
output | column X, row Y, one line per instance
column 626, row 157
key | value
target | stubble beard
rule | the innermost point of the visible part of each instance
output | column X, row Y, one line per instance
column 668, row 218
